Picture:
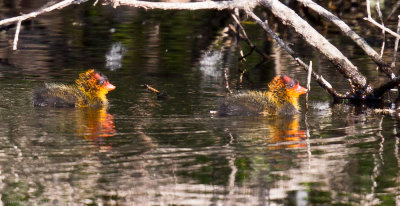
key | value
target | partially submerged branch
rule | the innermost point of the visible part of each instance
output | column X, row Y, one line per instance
column 350, row 33
column 160, row 95
column 380, row 91
column 321, row 81
column 288, row 17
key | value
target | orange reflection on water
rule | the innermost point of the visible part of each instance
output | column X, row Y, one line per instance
column 285, row 133
column 95, row 124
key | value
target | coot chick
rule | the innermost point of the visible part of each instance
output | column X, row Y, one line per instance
column 89, row 90
column 282, row 98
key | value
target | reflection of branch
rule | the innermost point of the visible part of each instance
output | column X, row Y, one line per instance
column 308, row 82
column 309, row 154
column 226, row 79
column 220, row 5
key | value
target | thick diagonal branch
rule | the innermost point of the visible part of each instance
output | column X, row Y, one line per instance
column 320, row 80
column 351, row 34
column 288, row 17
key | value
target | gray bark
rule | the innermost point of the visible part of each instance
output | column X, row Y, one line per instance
column 288, row 17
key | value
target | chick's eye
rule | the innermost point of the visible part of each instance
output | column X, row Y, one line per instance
column 101, row 81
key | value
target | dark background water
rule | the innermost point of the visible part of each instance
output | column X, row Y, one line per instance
column 145, row 151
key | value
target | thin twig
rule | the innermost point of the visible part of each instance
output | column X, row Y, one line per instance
column 237, row 32
column 347, row 31
column 372, row 21
column 16, row 35
column 378, row 10
column 23, row 17
column 319, row 78
column 247, row 40
column 159, row 94
column 382, row 27
column 308, row 82
column 290, row 18
column 396, row 46
column 368, row 9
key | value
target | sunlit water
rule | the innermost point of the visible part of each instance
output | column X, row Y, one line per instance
column 145, row 151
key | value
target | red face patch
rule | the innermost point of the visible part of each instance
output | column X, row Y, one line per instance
column 289, row 82
column 286, row 79
column 97, row 76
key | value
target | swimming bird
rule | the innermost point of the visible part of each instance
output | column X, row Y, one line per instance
column 89, row 90
column 281, row 98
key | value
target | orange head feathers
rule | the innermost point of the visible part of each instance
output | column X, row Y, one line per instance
column 94, row 85
column 89, row 91
column 282, row 98
column 92, row 81
column 283, row 89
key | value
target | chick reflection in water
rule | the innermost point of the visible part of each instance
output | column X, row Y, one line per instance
column 88, row 95
column 95, row 124
column 285, row 133
column 279, row 103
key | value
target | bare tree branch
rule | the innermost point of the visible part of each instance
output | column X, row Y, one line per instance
column 351, row 34
column 371, row 20
column 247, row 40
column 319, row 78
column 219, row 5
column 378, row 10
column 16, row 35
column 308, row 82
column 288, row 17
column 58, row 5
column 396, row 45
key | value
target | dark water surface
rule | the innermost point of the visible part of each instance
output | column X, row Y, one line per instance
column 144, row 151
